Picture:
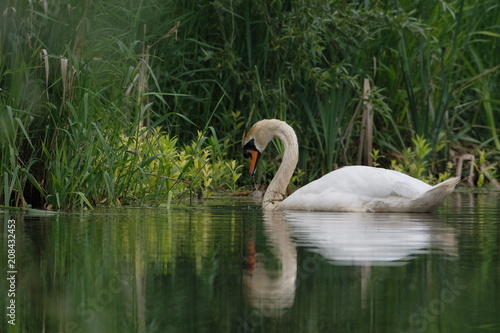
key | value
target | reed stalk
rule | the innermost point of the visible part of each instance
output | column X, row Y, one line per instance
column 77, row 103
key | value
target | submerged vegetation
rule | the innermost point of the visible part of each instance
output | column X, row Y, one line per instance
column 109, row 103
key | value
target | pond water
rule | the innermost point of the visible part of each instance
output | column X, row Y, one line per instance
column 226, row 266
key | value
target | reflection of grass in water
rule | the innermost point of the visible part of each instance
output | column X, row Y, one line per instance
column 121, row 269
column 189, row 262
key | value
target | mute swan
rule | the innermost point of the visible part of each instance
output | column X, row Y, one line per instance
column 352, row 188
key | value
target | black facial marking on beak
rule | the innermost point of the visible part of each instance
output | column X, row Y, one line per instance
column 250, row 145
column 251, row 151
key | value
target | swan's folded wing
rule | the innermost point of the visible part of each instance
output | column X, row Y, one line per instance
column 359, row 188
column 366, row 182
column 405, row 189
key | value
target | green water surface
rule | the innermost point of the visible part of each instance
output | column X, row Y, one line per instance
column 225, row 266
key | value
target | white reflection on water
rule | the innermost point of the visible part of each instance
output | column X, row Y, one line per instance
column 358, row 239
column 371, row 239
column 271, row 291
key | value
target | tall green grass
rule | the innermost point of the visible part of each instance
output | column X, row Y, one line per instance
column 290, row 59
column 89, row 89
column 79, row 107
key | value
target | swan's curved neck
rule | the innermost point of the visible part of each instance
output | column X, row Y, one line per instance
column 277, row 187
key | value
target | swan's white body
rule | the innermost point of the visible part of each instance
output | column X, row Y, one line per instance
column 362, row 188
column 353, row 188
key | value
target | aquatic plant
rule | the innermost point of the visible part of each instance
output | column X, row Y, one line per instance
column 68, row 95
column 155, row 168
column 68, row 101
column 416, row 161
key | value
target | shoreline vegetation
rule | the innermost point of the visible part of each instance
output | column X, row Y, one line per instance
column 106, row 103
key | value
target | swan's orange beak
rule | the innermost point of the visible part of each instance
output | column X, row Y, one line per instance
column 254, row 158
column 250, row 151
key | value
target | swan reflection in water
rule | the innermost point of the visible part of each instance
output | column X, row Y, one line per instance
column 271, row 290
column 371, row 239
column 360, row 239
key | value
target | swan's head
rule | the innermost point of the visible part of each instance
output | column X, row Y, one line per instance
column 257, row 139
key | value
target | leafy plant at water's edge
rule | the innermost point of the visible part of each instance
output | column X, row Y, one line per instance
column 71, row 96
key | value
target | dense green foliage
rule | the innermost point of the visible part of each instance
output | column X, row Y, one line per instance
column 76, row 77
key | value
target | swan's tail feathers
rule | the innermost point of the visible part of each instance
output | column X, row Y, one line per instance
column 431, row 199
column 446, row 187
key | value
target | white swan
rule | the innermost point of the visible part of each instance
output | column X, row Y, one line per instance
column 352, row 188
